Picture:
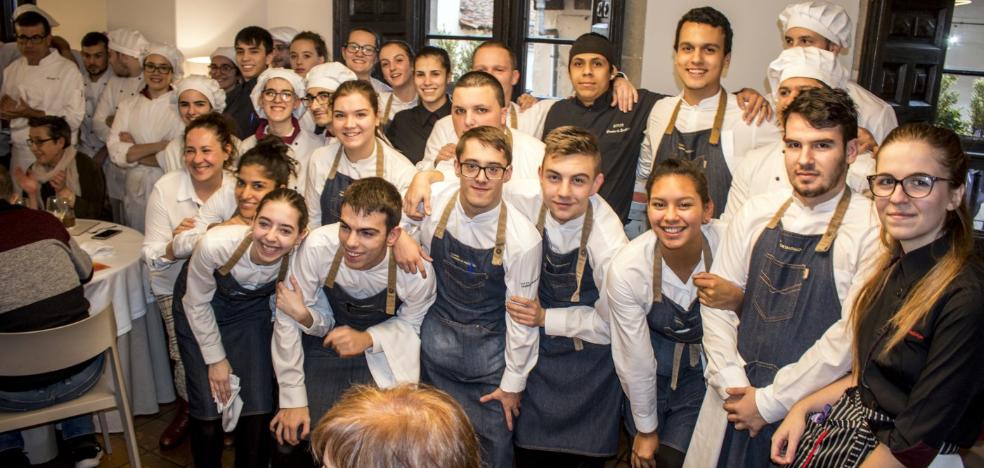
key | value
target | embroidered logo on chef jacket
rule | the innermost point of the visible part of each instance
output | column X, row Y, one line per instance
column 617, row 128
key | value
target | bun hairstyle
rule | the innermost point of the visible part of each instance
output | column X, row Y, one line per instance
column 271, row 153
column 292, row 198
column 222, row 127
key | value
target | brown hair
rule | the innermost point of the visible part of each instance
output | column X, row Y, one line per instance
column 375, row 195
column 358, row 87
column 221, row 126
column 273, row 155
column 679, row 167
column 825, row 108
column 491, row 137
column 957, row 224
column 292, row 198
column 495, row 45
column 478, row 79
column 569, row 140
column 406, row 426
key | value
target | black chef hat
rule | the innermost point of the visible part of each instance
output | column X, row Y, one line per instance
column 593, row 43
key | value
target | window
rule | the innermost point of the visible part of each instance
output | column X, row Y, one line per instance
column 459, row 26
column 551, row 28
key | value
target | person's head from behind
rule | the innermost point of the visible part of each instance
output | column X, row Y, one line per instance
column 254, row 48
column 33, row 34
column 369, row 222
column 477, row 100
column 279, row 226
column 7, row 186
column 498, row 60
column 307, row 50
column 95, row 53
column 702, row 50
column 360, row 51
column 483, row 165
column 571, row 172
column 405, row 426
column 48, row 137
column 678, row 203
column 353, row 117
column 431, row 74
column 263, row 168
column 591, row 67
column 820, row 141
column 209, row 147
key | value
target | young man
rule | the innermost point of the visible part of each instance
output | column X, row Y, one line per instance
column 37, row 84
column 704, row 123
column 485, row 252
column 360, row 52
column 322, row 81
column 95, row 55
column 827, row 26
column 254, row 46
column 367, row 331
column 410, row 129
column 570, row 413
column 796, row 253
column 282, row 36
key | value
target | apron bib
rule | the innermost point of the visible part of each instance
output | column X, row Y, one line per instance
column 336, row 183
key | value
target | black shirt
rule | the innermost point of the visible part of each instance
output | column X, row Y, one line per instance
column 619, row 137
column 932, row 383
column 410, row 129
column 239, row 107
column 93, row 203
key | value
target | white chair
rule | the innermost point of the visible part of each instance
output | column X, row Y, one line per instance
column 49, row 350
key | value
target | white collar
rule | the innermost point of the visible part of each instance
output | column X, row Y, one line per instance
column 708, row 103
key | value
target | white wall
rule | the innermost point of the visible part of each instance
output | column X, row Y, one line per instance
column 76, row 18
column 155, row 19
column 758, row 40
column 302, row 15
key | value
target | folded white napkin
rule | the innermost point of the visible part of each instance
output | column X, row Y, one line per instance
column 231, row 409
column 97, row 249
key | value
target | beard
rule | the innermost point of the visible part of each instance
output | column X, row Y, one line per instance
column 824, row 183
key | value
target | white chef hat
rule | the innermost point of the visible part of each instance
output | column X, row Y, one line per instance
column 227, row 52
column 807, row 62
column 283, row 33
column 33, row 8
column 128, row 41
column 827, row 20
column 207, row 86
column 329, row 76
column 172, row 54
column 294, row 79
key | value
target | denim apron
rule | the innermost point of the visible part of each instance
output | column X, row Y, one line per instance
column 463, row 336
column 675, row 334
column 245, row 324
column 790, row 301
column 336, row 183
column 329, row 375
column 573, row 397
column 702, row 148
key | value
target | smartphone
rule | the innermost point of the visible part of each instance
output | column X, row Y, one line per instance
column 106, row 233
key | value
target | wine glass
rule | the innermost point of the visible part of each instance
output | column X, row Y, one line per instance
column 56, row 207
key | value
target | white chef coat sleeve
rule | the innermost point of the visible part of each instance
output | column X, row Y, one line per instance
column 312, row 192
column 211, row 212
column 647, row 151
column 740, row 184
column 72, row 108
column 104, row 109
column 172, row 158
column 118, row 149
column 522, row 343
column 310, row 270
column 197, row 300
column 6, row 89
column 288, row 361
column 157, row 232
column 442, row 134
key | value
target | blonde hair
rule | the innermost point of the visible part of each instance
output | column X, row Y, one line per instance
column 569, row 140
column 406, row 426
column 957, row 224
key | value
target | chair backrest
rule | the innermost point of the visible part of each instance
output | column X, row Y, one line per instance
column 41, row 351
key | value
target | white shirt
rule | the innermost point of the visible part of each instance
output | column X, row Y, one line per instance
column 219, row 207
column 172, row 158
column 53, row 86
column 607, row 236
column 379, row 86
column 147, row 121
column 172, row 200
column 527, row 155
column 395, row 342
column 215, row 249
column 520, row 260
column 397, row 170
column 118, row 89
column 629, row 294
column 764, row 170
column 874, row 114
column 299, row 150
column 89, row 141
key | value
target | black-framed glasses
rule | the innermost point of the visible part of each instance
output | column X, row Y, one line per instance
column 33, row 40
column 320, row 98
column 914, row 185
column 270, row 95
column 356, row 48
column 38, row 142
column 471, row 171
column 150, row 67
column 225, row 67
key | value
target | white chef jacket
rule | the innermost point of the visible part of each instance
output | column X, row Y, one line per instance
column 397, row 170
column 172, row 158
column 629, row 293
column 89, row 141
column 397, row 106
column 395, row 353
column 874, row 114
column 529, row 122
column 220, row 207
column 588, row 323
column 215, row 249
column 764, row 170
column 300, row 150
column 379, row 86
column 527, row 155
column 855, row 251
column 118, row 89
column 172, row 200
column 520, row 260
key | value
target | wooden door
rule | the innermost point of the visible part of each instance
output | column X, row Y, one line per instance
column 904, row 51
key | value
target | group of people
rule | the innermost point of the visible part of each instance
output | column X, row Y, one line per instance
column 733, row 287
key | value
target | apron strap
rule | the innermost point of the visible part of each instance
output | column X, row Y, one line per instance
column 379, row 158
column 500, row 236
column 391, row 285
column 284, row 268
column 778, row 215
column 719, row 118
column 334, row 165
column 513, row 118
column 386, row 113
column 333, row 270
column 443, row 222
column 237, row 254
column 671, row 125
column 541, row 219
column 582, row 252
column 658, row 266
column 831, row 233
column 708, row 256
column 509, row 138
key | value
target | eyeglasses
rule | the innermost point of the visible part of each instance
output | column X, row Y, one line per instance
column 914, row 186
column 34, row 40
column 320, row 98
column 150, row 67
column 471, row 170
column 225, row 67
column 38, row 142
column 356, row 48
column 270, row 95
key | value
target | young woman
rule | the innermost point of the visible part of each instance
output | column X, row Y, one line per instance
column 171, row 209
column 223, row 323
column 917, row 390
column 223, row 68
column 654, row 304
column 277, row 101
column 197, row 95
column 356, row 152
column 396, row 64
column 142, row 128
column 307, row 50
column 410, row 129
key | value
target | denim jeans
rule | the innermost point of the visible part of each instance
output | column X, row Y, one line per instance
column 59, row 392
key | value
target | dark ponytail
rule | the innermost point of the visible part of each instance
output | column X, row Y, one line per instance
column 273, row 155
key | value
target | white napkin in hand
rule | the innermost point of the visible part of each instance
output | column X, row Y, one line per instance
column 231, row 409
column 97, row 249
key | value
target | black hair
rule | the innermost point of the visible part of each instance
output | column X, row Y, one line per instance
column 711, row 17
column 254, row 36
column 94, row 38
column 221, row 126
column 272, row 154
column 680, row 167
column 33, row 18
column 319, row 42
column 57, row 128
column 435, row 52
column 825, row 108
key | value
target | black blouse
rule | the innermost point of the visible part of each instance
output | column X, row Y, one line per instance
column 932, row 383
